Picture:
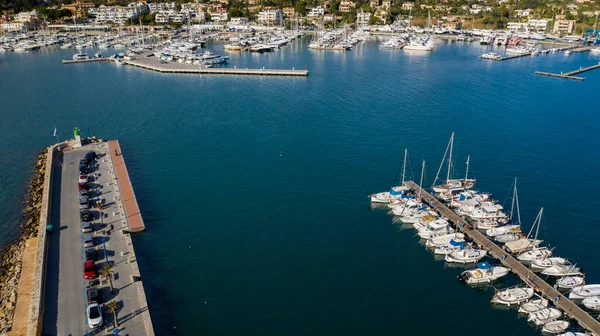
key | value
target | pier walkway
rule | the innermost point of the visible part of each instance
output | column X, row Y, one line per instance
column 570, row 74
column 174, row 67
column 530, row 278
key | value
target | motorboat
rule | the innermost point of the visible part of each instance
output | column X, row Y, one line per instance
column 555, row 327
column 512, row 296
column 484, row 273
column 445, row 239
column 452, row 246
column 570, row 281
column 535, row 254
column 532, row 306
column 503, row 230
column 542, row 264
column 522, row 245
column 438, row 227
column 575, row 333
column 423, row 222
column 544, row 316
column 466, row 256
column 562, row 270
column 585, row 291
column 410, row 207
column 508, row 237
column 81, row 56
column 98, row 55
column 387, row 196
column 414, row 217
column 592, row 302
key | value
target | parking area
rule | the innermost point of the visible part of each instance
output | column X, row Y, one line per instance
column 88, row 219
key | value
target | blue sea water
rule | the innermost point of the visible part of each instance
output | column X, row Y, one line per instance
column 253, row 189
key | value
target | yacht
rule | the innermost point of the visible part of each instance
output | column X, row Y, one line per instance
column 445, row 239
column 461, row 37
column 559, row 270
column 533, row 305
column 544, row 316
column 585, row 291
column 569, row 281
column 80, row 56
column 420, row 44
column 466, row 256
column 484, row 273
column 535, row 254
column 503, row 230
column 438, row 227
column 512, row 296
column 555, row 327
column 452, row 246
column 507, row 237
column 395, row 193
column 542, row 264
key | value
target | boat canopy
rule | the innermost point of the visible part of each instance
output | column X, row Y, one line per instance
column 463, row 196
column 484, row 265
column 455, row 243
column 490, row 208
column 396, row 193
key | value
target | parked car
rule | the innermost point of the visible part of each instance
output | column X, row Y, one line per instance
column 84, row 167
column 86, row 227
column 84, row 202
column 94, row 315
column 89, row 156
column 83, row 179
column 91, row 255
column 89, row 270
column 94, row 295
column 88, row 241
column 82, row 186
column 86, row 215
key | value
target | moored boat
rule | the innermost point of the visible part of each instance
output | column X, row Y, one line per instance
column 484, row 273
column 555, row 327
column 466, row 256
column 513, row 296
column 569, row 282
column 582, row 292
column 544, row 316
column 533, row 306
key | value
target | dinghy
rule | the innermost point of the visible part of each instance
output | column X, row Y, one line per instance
column 555, row 327
column 484, row 273
column 512, row 296
column 544, row 316
column 582, row 292
column 466, row 256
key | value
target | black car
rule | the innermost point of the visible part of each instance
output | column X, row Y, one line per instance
column 86, row 215
column 94, row 296
column 84, row 167
column 91, row 254
column 91, row 155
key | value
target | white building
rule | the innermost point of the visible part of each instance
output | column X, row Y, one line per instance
column 363, row 17
column 531, row 25
column 239, row 21
column 316, row 11
column 13, row 27
column 270, row 16
column 216, row 17
column 25, row 17
column 118, row 14
column 162, row 6
column 171, row 15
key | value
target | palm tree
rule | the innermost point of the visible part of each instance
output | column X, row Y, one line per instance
column 106, row 272
column 113, row 307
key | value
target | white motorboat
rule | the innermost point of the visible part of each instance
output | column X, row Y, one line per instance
column 555, row 327
column 414, row 217
column 508, row 237
column 484, row 273
column 595, row 50
column 388, row 196
column 410, row 207
column 466, row 256
column 522, row 245
column 119, row 61
column 585, row 291
column 575, row 333
column 452, row 246
column 544, row 316
column 592, row 302
column 570, row 281
column 512, row 296
column 80, row 56
column 438, row 227
column 445, row 239
column 542, row 264
column 503, row 230
column 535, row 254
column 533, row 306
column 562, row 270
column 423, row 222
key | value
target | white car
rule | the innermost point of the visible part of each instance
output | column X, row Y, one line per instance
column 83, row 179
column 88, row 241
column 86, row 227
column 94, row 316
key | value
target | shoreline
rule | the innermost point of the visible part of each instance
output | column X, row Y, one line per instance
column 11, row 256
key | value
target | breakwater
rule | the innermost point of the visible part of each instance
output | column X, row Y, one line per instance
column 11, row 256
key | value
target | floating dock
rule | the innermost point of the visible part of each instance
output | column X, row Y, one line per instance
column 570, row 74
column 530, row 278
column 190, row 69
column 91, row 60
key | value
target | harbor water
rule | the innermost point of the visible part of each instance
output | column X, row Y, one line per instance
column 254, row 189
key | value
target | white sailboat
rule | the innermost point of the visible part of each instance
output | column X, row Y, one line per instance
column 503, row 230
column 525, row 244
column 395, row 192
column 542, row 264
column 484, row 273
column 452, row 185
column 535, row 254
column 559, row 270
column 544, row 316
column 512, row 296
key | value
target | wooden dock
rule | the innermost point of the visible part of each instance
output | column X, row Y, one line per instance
column 570, row 74
column 190, row 69
column 530, row 278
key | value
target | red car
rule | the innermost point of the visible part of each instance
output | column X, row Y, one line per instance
column 82, row 186
column 89, row 270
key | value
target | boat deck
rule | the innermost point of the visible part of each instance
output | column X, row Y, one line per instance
column 530, row 278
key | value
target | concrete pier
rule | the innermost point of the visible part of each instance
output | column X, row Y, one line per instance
column 530, row 278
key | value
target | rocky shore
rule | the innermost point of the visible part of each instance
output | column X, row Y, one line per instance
column 10, row 258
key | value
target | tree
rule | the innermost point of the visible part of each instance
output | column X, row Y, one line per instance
column 300, row 7
column 113, row 307
column 236, row 12
column 373, row 20
column 106, row 272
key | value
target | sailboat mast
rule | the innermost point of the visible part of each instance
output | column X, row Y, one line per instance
column 421, row 182
column 450, row 157
column 467, row 173
column 512, row 205
column 437, row 175
column 539, row 222
column 404, row 166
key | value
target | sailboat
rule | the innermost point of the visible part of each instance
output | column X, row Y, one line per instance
column 410, row 217
column 395, row 192
column 525, row 243
column 421, row 44
column 451, row 186
column 533, row 305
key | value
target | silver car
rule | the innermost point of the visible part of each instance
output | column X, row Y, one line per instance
column 88, row 241
column 94, row 315
column 84, row 202
column 86, row 227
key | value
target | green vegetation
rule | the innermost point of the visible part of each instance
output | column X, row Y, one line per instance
column 51, row 14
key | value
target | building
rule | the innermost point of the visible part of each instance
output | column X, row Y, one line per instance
column 531, row 25
column 346, row 6
column 316, row 11
column 238, row 21
column 13, row 27
column 564, row 27
column 289, row 12
column 119, row 14
column 363, row 17
column 270, row 16
column 218, row 17
column 407, row 5
column 328, row 18
column 387, row 4
column 79, row 9
column 154, row 7
column 171, row 15
column 523, row 13
column 374, row 3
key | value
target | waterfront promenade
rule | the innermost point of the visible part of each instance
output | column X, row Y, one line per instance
column 537, row 283
column 64, row 299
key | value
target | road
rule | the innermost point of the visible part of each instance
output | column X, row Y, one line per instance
column 65, row 300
